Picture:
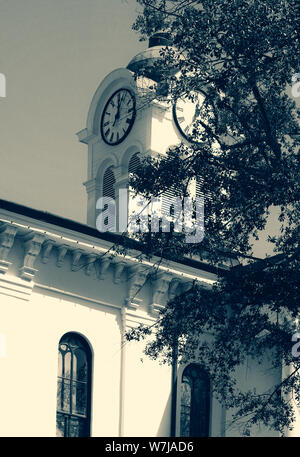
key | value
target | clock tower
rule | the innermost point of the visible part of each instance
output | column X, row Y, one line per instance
column 126, row 122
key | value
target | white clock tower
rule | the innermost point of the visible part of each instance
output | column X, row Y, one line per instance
column 125, row 122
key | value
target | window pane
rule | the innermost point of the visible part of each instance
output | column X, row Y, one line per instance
column 80, row 374
column 60, row 425
column 79, row 398
column 185, row 408
column 63, row 395
column 59, row 394
column 77, row 427
column 70, row 426
column 67, row 360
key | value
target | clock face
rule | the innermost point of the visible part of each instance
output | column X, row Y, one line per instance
column 187, row 112
column 118, row 117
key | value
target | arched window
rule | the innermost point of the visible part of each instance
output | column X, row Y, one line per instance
column 108, row 190
column 195, row 402
column 73, row 387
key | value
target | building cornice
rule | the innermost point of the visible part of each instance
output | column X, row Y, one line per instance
column 49, row 223
column 93, row 255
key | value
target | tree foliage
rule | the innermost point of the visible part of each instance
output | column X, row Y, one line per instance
column 241, row 55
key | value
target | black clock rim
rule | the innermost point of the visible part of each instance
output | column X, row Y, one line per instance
column 189, row 139
column 131, row 121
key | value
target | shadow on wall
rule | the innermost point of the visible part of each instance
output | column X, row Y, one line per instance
column 164, row 428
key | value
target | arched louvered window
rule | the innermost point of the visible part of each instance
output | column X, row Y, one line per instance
column 108, row 188
column 134, row 163
column 73, row 387
column 195, row 402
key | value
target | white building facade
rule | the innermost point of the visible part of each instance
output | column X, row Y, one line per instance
column 67, row 297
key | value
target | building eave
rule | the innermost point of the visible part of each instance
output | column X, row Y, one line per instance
column 86, row 236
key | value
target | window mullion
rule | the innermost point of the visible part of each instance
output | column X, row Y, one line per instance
column 62, row 382
column 71, row 383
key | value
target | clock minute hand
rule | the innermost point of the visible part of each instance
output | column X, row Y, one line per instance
column 120, row 100
column 117, row 115
column 196, row 113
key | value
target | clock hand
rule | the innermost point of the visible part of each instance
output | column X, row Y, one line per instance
column 117, row 114
column 120, row 101
column 196, row 113
column 119, row 109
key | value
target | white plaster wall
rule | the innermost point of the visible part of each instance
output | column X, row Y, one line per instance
column 67, row 301
column 147, row 394
column 164, row 133
column 29, row 368
column 261, row 376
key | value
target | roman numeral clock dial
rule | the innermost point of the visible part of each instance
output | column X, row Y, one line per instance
column 187, row 112
column 118, row 117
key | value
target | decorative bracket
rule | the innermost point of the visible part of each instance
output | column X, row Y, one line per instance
column 186, row 286
column 173, row 288
column 104, row 264
column 7, row 237
column 90, row 269
column 47, row 248
column 137, row 276
column 62, row 250
column 118, row 270
column 76, row 254
column 32, row 248
column 160, row 285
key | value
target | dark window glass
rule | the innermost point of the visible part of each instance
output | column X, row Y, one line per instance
column 73, row 387
column 195, row 402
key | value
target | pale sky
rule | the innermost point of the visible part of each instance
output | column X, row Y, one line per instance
column 54, row 54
